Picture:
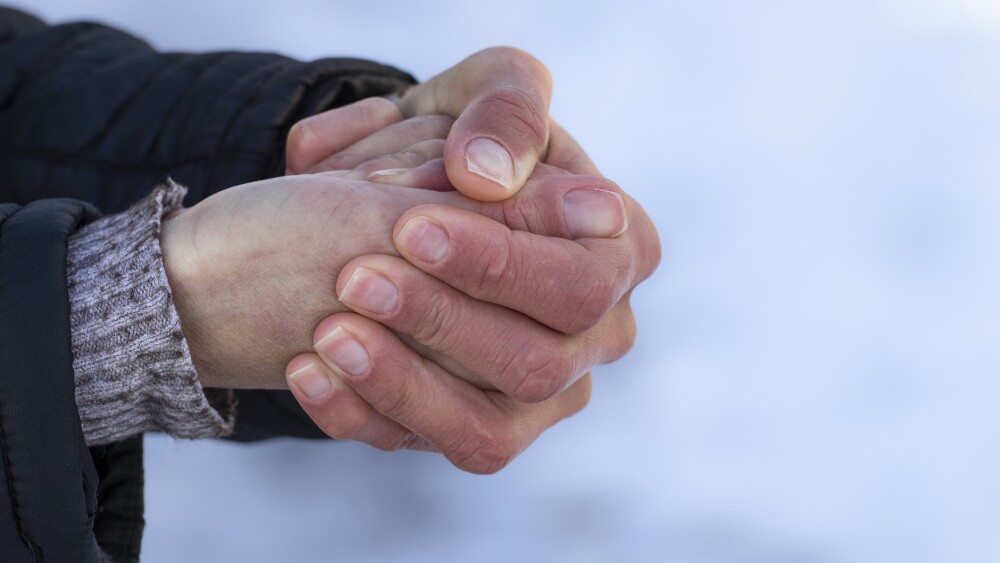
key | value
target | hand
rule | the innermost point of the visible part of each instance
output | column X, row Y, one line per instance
column 507, row 101
column 500, row 97
column 399, row 390
column 253, row 268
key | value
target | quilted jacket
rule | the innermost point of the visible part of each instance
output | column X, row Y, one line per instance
column 91, row 119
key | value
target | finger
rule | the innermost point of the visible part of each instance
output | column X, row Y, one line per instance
column 392, row 139
column 526, row 361
column 513, row 353
column 478, row 431
column 340, row 412
column 313, row 139
column 567, row 285
column 554, row 203
column 567, row 154
column 500, row 97
column 408, row 157
column 610, row 340
column 430, row 175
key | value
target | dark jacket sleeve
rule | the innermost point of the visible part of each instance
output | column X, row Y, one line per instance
column 95, row 114
column 91, row 119
column 49, row 482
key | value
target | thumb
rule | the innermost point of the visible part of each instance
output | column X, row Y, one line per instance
column 500, row 97
column 552, row 204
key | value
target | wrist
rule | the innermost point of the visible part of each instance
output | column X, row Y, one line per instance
column 132, row 364
column 180, row 266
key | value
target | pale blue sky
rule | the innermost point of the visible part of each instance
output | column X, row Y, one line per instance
column 816, row 375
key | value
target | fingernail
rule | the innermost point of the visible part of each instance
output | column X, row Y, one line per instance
column 594, row 213
column 389, row 172
column 370, row 291
column 490, row 160
column 423, row 239
column 340, row 348
column 311, row 381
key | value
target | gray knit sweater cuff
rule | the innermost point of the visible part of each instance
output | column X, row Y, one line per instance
column 132, row 364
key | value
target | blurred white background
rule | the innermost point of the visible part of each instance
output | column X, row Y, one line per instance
column 816, row 377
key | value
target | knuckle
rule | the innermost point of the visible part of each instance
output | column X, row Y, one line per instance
column 394, row 402
column 629, row 335
column 378, row 105
column 301, row 139
column 436, row 320
column 614, row 338
column 541, row 373
column 584, row 392
column 518, row 213
column 494, row 268
column 350, row 420
column 485, row 452
column 524, row 112
column 594, row 298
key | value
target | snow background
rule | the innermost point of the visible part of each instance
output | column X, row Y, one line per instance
column 816, row 375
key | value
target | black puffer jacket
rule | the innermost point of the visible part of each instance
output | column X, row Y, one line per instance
column 91, row 119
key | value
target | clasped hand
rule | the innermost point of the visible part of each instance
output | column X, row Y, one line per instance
column 404, row 313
